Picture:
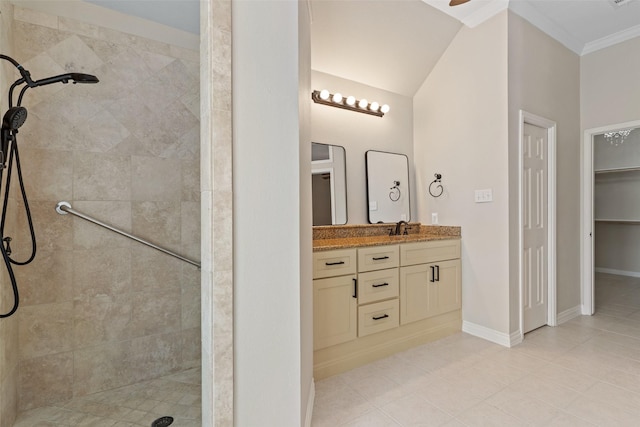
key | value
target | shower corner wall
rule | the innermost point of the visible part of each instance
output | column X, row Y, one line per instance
column 98, row 311
column 8, row 326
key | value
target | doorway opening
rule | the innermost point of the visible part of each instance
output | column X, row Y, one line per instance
column 588, row 218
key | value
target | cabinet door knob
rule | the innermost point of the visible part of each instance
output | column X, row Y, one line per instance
column 379, row 285
column 384, row 316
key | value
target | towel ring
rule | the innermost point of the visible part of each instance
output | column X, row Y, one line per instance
column 438, row 187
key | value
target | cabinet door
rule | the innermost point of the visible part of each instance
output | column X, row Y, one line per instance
column 429, row 290
column 414, row 293
column 446, row 294
column 334, row 311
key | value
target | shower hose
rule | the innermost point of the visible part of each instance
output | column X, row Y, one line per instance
column 5, row 247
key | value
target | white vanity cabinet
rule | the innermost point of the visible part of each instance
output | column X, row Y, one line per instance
column 430, row 279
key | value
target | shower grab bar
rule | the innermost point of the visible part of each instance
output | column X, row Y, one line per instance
column 64, row 208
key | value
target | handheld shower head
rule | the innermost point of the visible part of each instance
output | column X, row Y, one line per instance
column 14, row 118
column 65, row 78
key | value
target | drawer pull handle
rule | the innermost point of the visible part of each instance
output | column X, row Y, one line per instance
column 379, row 285
column 384, row 316
column 433, row 273
column 334, row 263
column 355, row 287
column 380, row 258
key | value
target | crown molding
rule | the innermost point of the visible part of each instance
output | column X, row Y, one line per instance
column 611, row 40
column 546, row 25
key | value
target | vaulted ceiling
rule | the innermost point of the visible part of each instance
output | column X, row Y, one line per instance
column 394, row 44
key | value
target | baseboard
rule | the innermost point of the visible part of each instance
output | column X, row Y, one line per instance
column 506, row 340
column 617, row 272
column 569, row 314
column 310, row 401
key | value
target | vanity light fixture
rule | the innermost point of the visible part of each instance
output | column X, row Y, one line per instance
column 616, row 138
column 349, row 103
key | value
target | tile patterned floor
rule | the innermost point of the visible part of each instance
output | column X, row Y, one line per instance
column 585, row 372
column 176, row 395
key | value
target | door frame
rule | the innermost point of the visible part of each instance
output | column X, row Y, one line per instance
column 587, row 243
column 551, row 126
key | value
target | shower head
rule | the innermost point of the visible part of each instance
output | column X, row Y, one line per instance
column 14, row 118
column 65, row 78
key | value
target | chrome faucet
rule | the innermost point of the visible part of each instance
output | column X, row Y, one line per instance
column 399, row 227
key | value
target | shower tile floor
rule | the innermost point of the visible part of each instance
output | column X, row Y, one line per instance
column 176, row 395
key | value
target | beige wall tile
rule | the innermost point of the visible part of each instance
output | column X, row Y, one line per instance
column 9, row 397
column 48, row 279
column 45, row 380
column 102, row 271
column 155, row 179
column 116, row 151
column 101, row 319
column 47, row 174
column 45, row 329
column 101, row 177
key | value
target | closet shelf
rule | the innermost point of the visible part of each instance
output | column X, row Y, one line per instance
column 614, row 170
column 619, row 221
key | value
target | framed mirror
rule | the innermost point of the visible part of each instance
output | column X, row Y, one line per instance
column 328, row 184
column 387, row 187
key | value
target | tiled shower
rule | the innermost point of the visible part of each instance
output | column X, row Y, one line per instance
column 99, row 311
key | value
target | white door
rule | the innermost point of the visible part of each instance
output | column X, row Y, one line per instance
column 535, row 228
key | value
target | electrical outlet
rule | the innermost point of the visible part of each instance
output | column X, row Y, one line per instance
column 484, row 196
column 434, row 218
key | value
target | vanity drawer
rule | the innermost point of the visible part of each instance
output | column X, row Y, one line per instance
column 378, row 285
column 424, row 252
column 334, row 263
column 378, row 317
column 378, row 257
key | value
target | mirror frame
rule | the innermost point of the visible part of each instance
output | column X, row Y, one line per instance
column 396, row 181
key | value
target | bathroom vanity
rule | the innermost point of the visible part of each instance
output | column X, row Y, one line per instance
column 376, row 294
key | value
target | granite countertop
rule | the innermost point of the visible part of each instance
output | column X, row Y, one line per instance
column 327, row 238
column 356, row 242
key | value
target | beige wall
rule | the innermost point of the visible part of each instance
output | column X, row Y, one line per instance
column 99, row 311
column 609, row 93
column 460, row 122
column 271, row 214
column 358, row 133
column 8, row 326
column 544, row 80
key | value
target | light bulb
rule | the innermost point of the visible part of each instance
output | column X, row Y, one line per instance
column 385, row 109
column 374, row 106
column 363, row 103
column 324, row 94
column 351, row 101
column 337, row 98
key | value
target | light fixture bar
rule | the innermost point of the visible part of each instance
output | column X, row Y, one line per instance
column 349, row 103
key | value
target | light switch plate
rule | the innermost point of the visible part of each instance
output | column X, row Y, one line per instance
column 484, row 196
column 434, row 218
column 373, row 206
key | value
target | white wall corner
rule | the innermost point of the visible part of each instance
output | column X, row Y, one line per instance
column 505, row 340
column 569, row 314
column 310, row 402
